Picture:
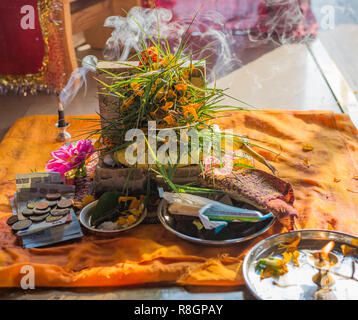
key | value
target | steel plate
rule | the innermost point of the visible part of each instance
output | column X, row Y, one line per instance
column 252, row 230
column 297, row 283
column 85, row 221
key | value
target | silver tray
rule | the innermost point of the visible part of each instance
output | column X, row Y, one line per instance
column 259, row 228
column 297, row 284
column 85, row 222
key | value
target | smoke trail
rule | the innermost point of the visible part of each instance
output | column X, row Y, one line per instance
column 207, row 31
column 140, row 24
column 283, row 22
column 279, row 21
column 77, row 80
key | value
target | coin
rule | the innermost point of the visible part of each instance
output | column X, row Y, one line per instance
column 42, row 206
column 21, row 225
column 27, row 212
column 32, row 204
column 39, row 218
column 50, row 218
column 59, row 212
column 53, row 196
column 40, row 212
column 12, row 220
column 52, row 203
column 64, row 203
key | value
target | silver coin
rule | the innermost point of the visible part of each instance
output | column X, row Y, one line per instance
column 21, row 225
column 52, row 203
column 39, row 218
column 64, row 203
column 59, row 212
column 12, row 220
column 27, row 212
column 51, row 218
column 53, row 196
column 41, row 212
column 32, row 204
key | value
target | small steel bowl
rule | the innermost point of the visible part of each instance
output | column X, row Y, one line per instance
column 257, row 228
column 85, row 220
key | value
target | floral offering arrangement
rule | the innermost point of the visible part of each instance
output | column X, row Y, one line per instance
column 167, row 88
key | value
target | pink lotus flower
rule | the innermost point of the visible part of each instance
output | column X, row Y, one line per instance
column 70, row 157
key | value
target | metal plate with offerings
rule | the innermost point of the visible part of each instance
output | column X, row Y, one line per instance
column 223, row 230
column 303, row 265
column 112, row 220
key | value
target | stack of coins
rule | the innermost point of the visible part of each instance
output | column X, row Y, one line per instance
column 52, row 208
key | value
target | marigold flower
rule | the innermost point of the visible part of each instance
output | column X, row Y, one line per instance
column 121, row 221
column 190, row 108
column 181, row 87
column 87, row 199
column 167, row 106
column 347, row 250
column 139, row 93
column 154, row 113
column 135, row 86
column 307, row 148
column 150, row 53
column 171, row 94
column 108, row 142
column 160, row 93
column 128, row 102
column 291, row 244
column 183, row 100
column 131, row 219
column 169, row 119
column 295, row 256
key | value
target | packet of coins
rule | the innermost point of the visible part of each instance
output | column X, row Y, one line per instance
column 25, row 181
column 38, row 191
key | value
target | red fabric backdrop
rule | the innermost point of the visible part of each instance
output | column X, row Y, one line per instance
column 21, row 51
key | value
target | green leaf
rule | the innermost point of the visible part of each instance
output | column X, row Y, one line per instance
column 107, row 202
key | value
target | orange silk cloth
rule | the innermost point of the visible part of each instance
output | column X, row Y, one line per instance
column 324, row 181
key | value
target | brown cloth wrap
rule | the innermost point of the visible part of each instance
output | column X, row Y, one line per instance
column 326, row 197
column 258, row 188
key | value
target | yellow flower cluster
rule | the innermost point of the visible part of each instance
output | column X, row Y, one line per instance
column 171, row 100
column 133, row 212
column 191, row 109
column 85, row 201
column 131, row 219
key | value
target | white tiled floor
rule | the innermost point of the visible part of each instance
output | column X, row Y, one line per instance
column 285, row 78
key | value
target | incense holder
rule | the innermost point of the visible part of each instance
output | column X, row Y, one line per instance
column 63, row 134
